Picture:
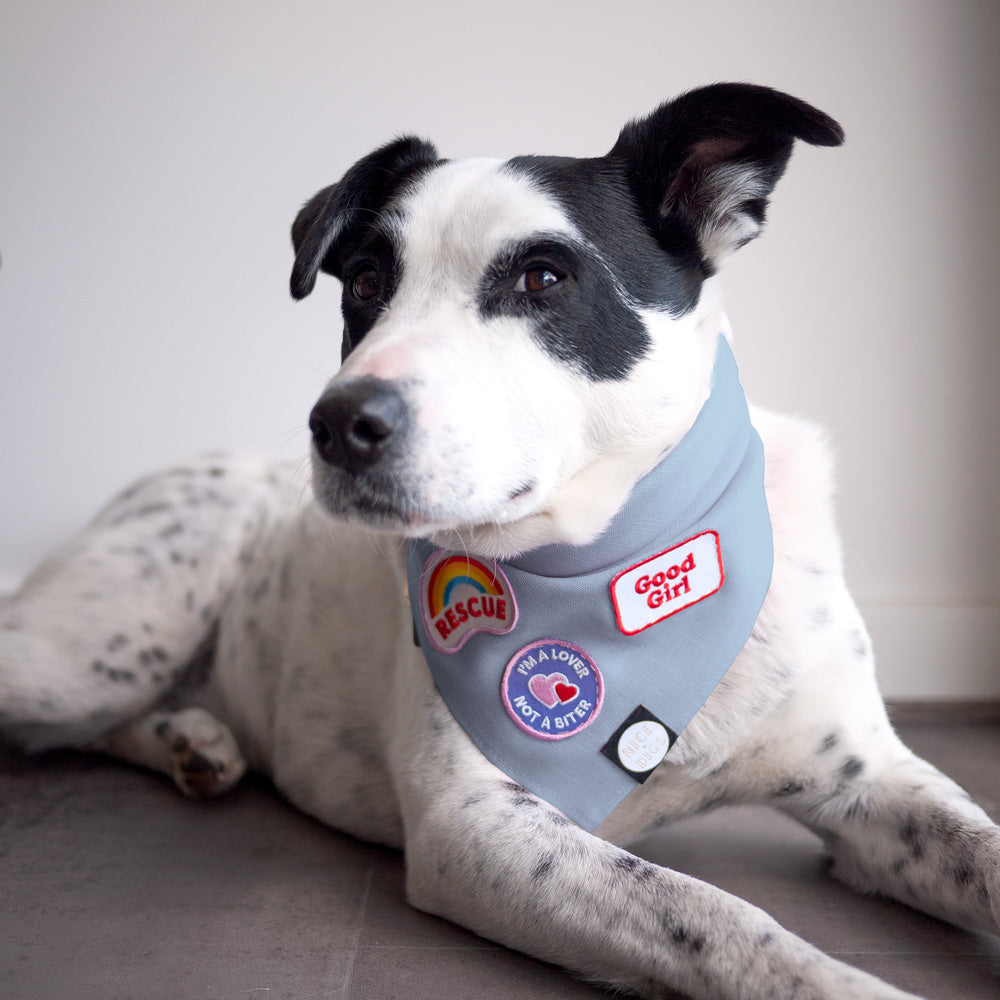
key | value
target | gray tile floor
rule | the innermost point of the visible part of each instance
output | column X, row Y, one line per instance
column 113, row 887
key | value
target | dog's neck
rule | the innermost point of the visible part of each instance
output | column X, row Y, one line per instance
column 652, row 612
column 582, row 508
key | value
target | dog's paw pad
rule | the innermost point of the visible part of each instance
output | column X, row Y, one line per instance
column 205, row 759
column 200, row 776
column 202, row 770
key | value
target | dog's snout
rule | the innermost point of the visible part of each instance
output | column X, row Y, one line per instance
column 354, row 424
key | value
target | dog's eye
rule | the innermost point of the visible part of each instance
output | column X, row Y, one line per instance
column 366, row 285
column 537, row 279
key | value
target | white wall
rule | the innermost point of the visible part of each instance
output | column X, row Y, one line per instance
column 153, row 155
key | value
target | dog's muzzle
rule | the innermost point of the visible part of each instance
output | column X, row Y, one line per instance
column 356, row 425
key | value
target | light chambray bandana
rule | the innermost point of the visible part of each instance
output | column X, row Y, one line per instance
column 575, row 668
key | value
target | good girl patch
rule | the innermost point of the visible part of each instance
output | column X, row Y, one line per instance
column 669, row 582
column 552, row 689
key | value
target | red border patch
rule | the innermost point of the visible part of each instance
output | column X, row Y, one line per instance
column 662, row 585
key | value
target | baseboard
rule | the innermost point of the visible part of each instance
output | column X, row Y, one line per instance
column 949, row 713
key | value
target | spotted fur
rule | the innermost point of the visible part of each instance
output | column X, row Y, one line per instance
column 523, row 340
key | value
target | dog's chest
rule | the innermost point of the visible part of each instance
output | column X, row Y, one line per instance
column 307, row 647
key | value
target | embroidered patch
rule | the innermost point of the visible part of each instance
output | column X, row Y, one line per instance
column 552, row 689
column 639, row 744
column 664, row 584
column 461, row 596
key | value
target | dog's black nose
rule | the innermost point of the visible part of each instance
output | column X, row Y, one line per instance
column 354, row 424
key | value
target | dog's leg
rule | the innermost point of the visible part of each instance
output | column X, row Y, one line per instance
column 109, row 625
column 897, row 826
column 189, row 745
column 486, row 854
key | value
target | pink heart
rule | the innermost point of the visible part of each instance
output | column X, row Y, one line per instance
column 553, row 689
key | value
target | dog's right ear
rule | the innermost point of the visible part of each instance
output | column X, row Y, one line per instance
column 336, row 213
column 702, row 166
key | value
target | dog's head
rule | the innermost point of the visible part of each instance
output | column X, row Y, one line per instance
column 525, row 338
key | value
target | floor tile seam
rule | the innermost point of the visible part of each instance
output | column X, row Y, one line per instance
column 432, row 947
column 908, row 953
column 355, row 946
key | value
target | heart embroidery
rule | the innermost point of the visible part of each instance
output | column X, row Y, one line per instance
column 552, row 689
column 566, row 692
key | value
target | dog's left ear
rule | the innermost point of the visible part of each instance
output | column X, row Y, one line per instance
column 330, row 218
column 702, row 166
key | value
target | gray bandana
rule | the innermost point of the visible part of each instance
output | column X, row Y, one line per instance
column 575, row 668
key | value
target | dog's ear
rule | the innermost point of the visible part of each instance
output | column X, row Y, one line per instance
column 329, row 219
column 702, row 166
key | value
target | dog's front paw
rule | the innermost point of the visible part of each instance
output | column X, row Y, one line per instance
column 204, row 757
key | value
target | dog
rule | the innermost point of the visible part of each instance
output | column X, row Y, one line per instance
column 528, row 344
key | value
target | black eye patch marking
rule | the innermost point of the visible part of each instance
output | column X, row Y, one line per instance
column 515, row 278
column 370, row 272
column 596, row 197
column 574, row 306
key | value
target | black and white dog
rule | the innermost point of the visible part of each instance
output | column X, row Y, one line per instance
column 528, row 344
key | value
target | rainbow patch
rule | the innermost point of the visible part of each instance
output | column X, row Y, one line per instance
column 460, row 596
